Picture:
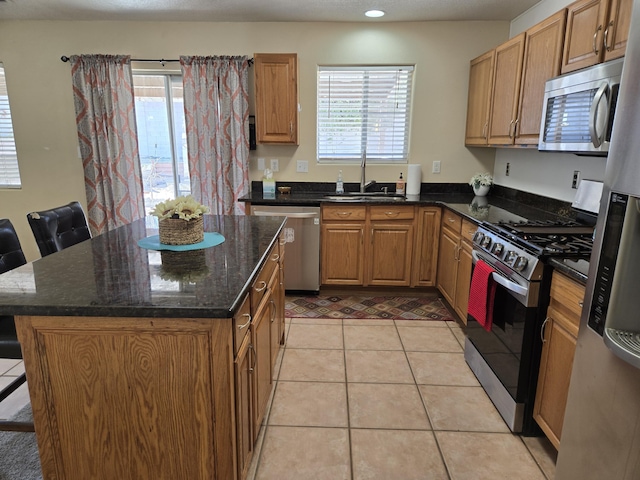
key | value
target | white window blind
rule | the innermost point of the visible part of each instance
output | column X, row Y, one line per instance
column 9, row 173
column 364, row 110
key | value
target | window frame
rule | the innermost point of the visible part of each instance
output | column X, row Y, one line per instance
column 405, row 95
column 8, row 149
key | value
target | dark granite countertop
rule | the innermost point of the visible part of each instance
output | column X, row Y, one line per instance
column 576, row 269
column 110, row 275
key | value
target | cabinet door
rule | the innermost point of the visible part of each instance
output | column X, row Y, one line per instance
column 390, row 254
column 342, row 253
column 542, row 59
column 274, row 318
column 553, row 381
column 479, row 100
column 448, row 264
column 616, row 32
column 584, row 36
column 244, row 418
column 281, row 294
column 463, row 280
column 506, row 91
column 425, row 264
column 261, row 336
column 276, row 87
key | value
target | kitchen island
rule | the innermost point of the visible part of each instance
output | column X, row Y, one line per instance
column 129, row 353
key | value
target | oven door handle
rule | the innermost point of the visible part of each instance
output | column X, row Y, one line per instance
column 501, row 280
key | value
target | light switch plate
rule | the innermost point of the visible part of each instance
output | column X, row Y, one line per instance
column 261, row 164
column 436, row 167
column 275, row 165
column 302, row 166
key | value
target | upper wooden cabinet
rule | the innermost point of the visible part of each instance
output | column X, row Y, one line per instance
column 276, row 88
column 597, row 31
column 479, row 101
column 542, row 59
column 507, row 74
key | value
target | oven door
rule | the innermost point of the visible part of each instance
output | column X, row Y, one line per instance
column 506, row 359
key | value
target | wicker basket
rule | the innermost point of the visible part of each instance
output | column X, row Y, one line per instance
column 175, row 231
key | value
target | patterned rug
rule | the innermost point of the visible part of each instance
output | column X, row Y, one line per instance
column 382, row 307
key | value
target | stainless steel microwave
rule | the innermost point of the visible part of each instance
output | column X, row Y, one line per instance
column 578, row 110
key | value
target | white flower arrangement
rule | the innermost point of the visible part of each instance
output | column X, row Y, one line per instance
column 184, row 207
column 481, row 179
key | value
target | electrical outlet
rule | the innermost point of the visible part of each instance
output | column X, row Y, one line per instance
column 274, row 165
column 436, row 167
column 576, row 179
column 302, row 166
column 506, row 170
column 261, row 164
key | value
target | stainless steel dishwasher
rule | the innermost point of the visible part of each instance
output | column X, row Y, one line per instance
column 302, row 237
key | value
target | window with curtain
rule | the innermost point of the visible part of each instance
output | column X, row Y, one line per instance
column 9, row 172
column 364, row 110
column 161, row 136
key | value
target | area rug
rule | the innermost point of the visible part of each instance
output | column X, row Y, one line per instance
column 375, row 307
column 19, row 458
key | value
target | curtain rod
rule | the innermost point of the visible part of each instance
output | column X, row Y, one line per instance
column 162, row 61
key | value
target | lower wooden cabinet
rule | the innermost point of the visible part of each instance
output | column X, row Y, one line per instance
column 560, row 331
column 425, row 256
column 244, row 406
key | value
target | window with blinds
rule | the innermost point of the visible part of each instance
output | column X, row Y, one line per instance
column 364, row 111
column 9, row 173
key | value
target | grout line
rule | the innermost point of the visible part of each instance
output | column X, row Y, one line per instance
column 346, row 386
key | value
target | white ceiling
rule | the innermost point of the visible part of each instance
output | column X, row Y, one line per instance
column 262, row 10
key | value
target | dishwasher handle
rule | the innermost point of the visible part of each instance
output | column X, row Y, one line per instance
column 260, row 213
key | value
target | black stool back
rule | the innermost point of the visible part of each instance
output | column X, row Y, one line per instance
column 59, row 228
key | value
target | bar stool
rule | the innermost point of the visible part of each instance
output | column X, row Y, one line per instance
column 59, row 228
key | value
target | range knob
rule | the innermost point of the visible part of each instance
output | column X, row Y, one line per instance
column 486, row 242
column 510, row 257
column 477, row 238
column 497, row 249
column 521, row 263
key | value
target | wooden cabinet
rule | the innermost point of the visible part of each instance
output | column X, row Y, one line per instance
column 506, row 91
column 244, row 405
column 479, row 100
column 425, row 261
column 390, row 246
column 542, row 59
column 560, row 331
column 342, row 244
column 454, row 261
column 597, row 31
column 276, row 90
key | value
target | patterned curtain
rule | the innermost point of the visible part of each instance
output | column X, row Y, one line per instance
column 106, row 121
column 216, row 105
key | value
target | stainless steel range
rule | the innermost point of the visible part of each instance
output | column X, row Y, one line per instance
column 506, row 359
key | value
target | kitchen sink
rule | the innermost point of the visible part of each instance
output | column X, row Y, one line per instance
column 365, row 197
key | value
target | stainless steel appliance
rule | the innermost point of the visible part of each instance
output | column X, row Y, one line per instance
column 506, row 359
column 601, row 430
column 578, row 110
column 302, row 237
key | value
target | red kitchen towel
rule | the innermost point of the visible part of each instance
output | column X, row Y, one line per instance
column 482, row 294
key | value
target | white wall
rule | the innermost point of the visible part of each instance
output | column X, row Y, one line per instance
column 547, row 174
column 39, row 86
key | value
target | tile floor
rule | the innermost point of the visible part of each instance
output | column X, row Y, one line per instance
column 385, row 399
column 376, row 399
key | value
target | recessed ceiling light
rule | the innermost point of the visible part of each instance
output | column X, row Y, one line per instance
column 374, row 13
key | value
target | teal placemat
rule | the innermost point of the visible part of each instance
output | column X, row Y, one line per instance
column 211, row 239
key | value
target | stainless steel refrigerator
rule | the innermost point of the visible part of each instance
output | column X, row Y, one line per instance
column 601, row 431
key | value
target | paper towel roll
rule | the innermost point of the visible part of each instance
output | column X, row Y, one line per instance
column 414, row 179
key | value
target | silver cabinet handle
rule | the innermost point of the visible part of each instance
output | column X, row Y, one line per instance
column 391, row 213
column 343, row 214
column 484, row 130
column 596, row 138
column 510, row 125
column 607, row 47
column 260, row 289
column 542, row 329
column 276, row 257
column 595, row 37
column 515, row 127
column 273, row 311
column 240, row 327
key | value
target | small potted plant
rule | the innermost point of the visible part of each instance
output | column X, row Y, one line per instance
column 180, row 221
column 481, row 182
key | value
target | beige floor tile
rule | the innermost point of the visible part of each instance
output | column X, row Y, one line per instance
column 309, row 404
column 7, row 364
column 428, row 340
column 422, row 323
column 17, row 370
column 487, row 456
column 441, row 369
column 544, row 453
column 466, row 409
column 315, row 336
column 317, row 321
column 378, row 366
column 296, row 453
column 14, row 402
column 396, row 454
column 371, row 338
column 313, row 365
column 359, row 322
column 459, row 333
column 393, row 406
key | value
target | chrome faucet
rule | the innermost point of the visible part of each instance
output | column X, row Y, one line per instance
column 363, row 184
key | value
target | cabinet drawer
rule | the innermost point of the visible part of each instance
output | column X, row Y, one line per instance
column 339, row 212
column 567, row 296
column 391, row 212
column 468, row 230
column 259, row 287
column 241, row 322
column 451, row 220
